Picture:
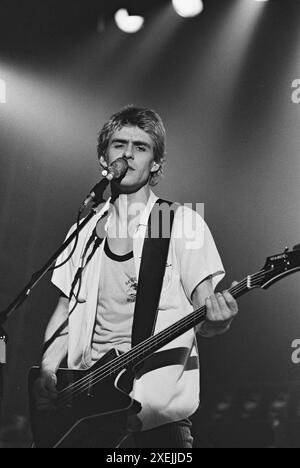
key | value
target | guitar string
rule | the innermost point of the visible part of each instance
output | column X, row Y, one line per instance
column 98, row 375
column 108, row 369
column 109, row 365
column 81, row 386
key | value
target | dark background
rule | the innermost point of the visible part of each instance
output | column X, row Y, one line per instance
column 222, row 83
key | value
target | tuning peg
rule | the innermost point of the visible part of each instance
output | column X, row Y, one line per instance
column 297, row 247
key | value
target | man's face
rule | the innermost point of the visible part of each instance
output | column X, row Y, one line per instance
column 137, row 147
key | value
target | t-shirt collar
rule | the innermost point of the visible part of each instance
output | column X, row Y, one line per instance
column 144, row 215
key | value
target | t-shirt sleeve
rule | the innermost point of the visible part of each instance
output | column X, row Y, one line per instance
column 63, row 276
column 196, row 251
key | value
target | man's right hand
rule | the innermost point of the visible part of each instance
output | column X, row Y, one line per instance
column 45, row 391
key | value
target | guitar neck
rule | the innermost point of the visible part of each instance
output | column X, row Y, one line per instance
column 145, row 349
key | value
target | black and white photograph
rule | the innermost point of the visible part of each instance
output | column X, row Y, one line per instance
column 149, row 226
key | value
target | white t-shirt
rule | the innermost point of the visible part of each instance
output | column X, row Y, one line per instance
column 116, row 301
column 170, row 390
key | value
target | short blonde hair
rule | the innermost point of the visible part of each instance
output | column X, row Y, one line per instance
column 147, row 120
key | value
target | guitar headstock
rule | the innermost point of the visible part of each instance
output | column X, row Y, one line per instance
column 276, row 268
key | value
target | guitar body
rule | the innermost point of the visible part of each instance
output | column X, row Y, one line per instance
column 95, row 417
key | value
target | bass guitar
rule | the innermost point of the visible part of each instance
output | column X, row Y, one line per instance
column 97, row 400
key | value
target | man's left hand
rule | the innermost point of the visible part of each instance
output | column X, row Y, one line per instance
column 221, row 308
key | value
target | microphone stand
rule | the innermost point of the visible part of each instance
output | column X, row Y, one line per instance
column 36, row 277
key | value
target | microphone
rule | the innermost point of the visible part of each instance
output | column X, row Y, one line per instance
column 115, row 171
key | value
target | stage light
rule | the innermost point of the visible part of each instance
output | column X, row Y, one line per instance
column 128, row 23
column 2, row 92
column 188, row 8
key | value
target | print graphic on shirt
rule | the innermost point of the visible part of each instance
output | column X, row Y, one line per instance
column 131, row 289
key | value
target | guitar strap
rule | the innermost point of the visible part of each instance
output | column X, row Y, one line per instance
column 152, row 270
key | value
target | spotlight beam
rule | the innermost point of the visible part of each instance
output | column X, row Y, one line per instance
column 2, row 91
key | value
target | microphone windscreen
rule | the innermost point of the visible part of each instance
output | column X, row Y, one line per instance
column 118, row 168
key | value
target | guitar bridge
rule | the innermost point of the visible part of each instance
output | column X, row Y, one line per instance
column 249, row 285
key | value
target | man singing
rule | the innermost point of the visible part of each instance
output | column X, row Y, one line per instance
column 102, row 319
